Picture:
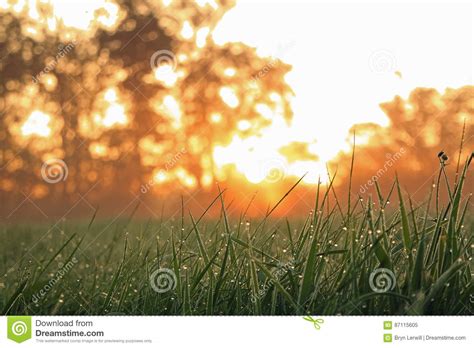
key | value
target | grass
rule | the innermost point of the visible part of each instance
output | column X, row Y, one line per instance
column 370, row 259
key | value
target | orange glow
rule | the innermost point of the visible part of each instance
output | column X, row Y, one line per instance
column 160, row 176
column 115, row 115
column 184, row 177
column 170, row 108
column 69, row 19
column 187, row 31
column 211, row 3
column 110, row 95
column 98, row 150
column 229, row 72
column 165, row 74
column 229, row 97
column 37, row 124
column 216, row 117
column 240, row 124
column 201, row 37
column 244, row 125
column 260, row 158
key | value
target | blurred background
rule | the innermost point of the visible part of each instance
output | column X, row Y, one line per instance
column 121, row 106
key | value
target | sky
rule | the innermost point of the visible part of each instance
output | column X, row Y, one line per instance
column 348, row 58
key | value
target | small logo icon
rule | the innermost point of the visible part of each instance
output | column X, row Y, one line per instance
column 382, row 61
column 19, row 328
column 382, row 280
column 387, row 337
column 54, row 170
column 163, row 58
column 273, row 170
column 316, row 322
column 387, row 325
column 163, row 280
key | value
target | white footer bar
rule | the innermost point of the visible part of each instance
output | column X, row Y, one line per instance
column 228, row 332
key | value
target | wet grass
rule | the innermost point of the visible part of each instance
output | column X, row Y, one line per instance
column 370, row 257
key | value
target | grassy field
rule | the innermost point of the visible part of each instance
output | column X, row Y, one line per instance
column 352, row 257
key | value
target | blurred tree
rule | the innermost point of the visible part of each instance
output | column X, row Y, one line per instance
column 420, row 127
column 123, row 96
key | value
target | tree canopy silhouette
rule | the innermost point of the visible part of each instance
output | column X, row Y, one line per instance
column 122, row 100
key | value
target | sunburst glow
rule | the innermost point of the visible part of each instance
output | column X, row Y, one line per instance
column 37, row 124
column 281, row 111
column 327, row 79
